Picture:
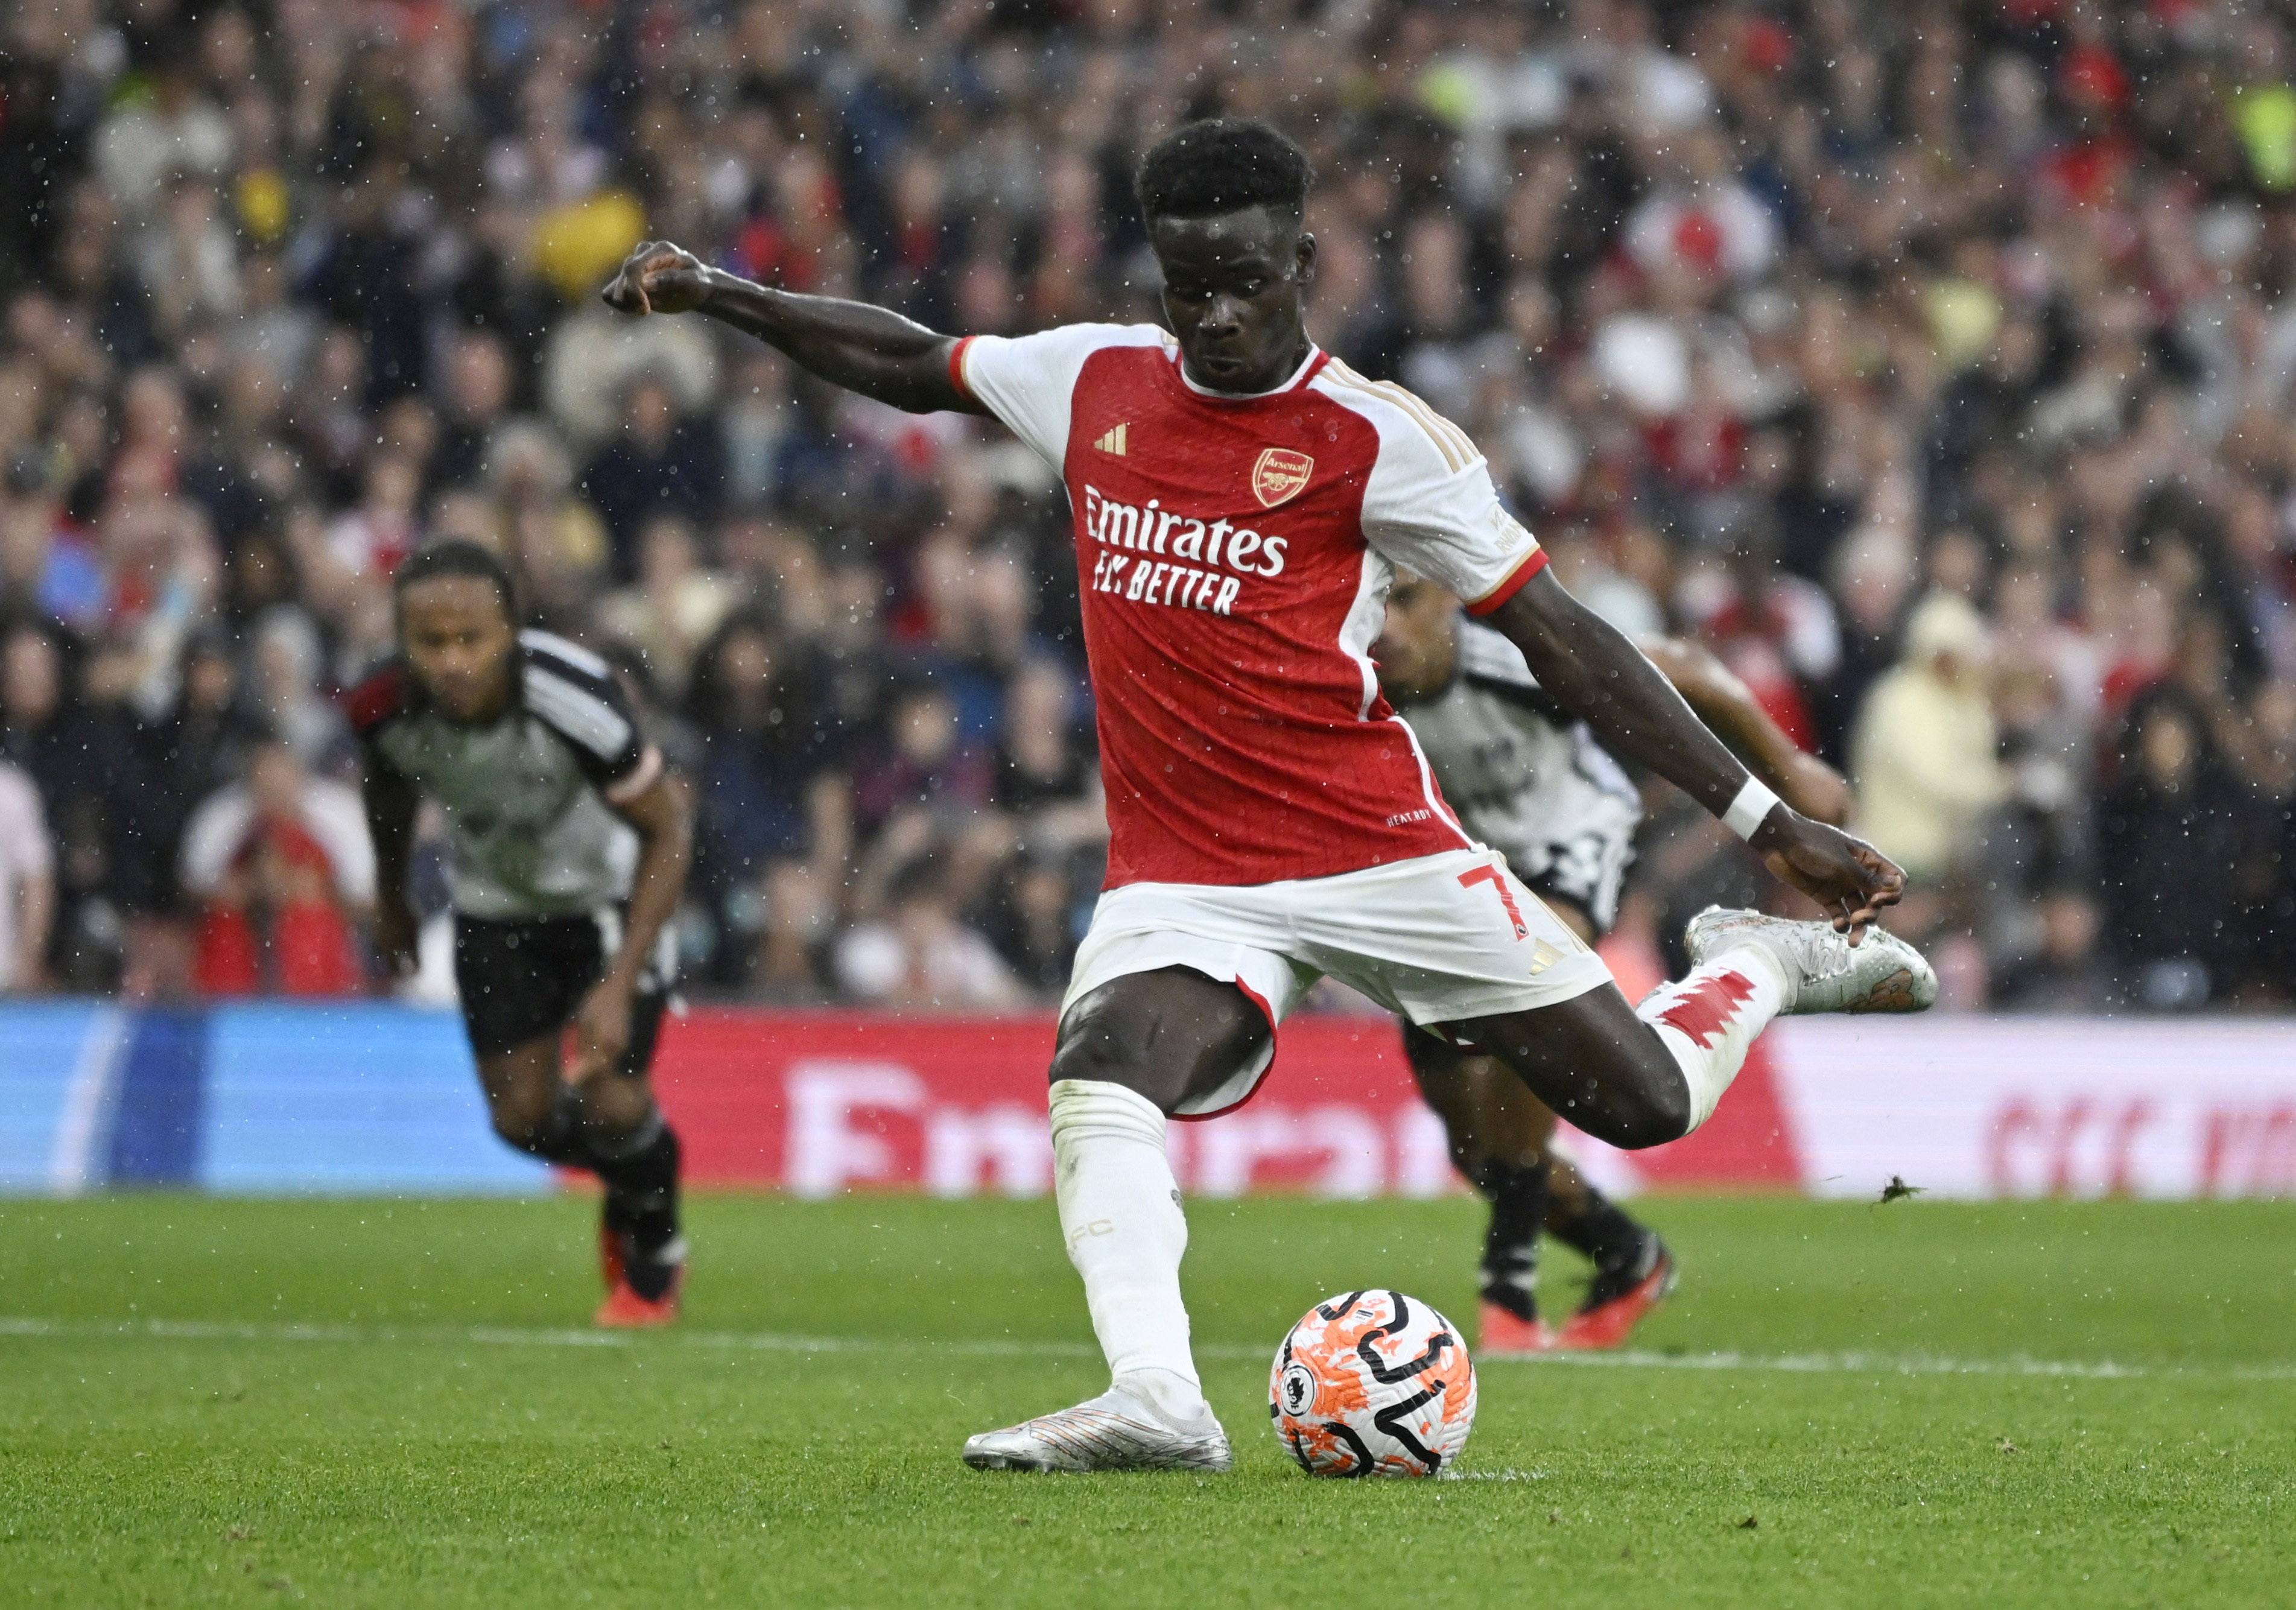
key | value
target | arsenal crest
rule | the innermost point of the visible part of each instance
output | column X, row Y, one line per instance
column 1280, row 475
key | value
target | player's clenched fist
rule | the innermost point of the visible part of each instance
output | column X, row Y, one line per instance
column 658, row 277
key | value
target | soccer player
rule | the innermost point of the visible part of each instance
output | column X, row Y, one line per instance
column 1240, row 501
column 1528, row 779
column 569, row 846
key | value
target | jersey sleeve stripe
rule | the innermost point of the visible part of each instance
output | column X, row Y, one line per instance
column 1433, row 421
column 1349, row 380
column 578, row 658
column 579, row 716
column 1431, row 424
column 1499, row 594
column 1458, row 449
column 1435, row 424
column 1429, row 420
column 957, row 367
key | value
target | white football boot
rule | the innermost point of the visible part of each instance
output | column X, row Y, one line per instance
column 1824, row 971
column 1116, row 1431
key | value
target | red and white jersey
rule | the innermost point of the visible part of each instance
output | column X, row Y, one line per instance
column 1234, row 553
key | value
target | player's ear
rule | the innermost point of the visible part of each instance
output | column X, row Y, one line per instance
column 1304, row 255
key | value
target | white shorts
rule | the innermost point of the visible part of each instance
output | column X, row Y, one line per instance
column 1439, row 939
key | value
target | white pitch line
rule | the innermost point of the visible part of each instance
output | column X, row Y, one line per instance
column 782, row 1341
column 1880, row 1364
column 497, row 1335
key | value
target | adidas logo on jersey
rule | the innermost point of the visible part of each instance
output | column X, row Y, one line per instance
column 1112, row 442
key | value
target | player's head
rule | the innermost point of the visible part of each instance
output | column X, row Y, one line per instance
column 458, row 627
column 1419, row 647
column 1224, row 201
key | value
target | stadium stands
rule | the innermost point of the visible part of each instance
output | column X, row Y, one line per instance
column 1911, row 357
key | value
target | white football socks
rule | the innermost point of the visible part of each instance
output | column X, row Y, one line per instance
column 1120, row 1216
column 1708, row 1020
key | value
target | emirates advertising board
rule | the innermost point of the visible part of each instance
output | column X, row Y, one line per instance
column 1969, row 1108
column 362, row 1096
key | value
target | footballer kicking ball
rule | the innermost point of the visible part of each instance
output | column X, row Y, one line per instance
column 1372, row 1384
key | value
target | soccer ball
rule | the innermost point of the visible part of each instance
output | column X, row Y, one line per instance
column 1372, row 1384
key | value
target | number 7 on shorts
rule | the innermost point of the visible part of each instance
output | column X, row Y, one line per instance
column 1497, row 880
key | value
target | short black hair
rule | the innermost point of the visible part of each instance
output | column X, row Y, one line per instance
column 458, row 556
column 1219, row 165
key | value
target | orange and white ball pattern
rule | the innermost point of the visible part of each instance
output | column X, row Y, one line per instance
column 1373, row 1382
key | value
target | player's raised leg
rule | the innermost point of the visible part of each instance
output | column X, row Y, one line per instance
column 1130, row 1052
column 1640, row 1076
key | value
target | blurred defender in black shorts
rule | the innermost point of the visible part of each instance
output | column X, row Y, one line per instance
column 570, row 845
column 524, row 978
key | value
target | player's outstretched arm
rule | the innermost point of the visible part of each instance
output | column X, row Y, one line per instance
column 1718, row 697
column 861, row 348
column 1598, row 674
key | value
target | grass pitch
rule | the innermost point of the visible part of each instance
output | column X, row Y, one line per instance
column 393, row 1404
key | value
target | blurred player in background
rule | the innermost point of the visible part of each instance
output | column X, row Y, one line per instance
column 1528, row 779
column 569, row 846
column 1241, row 501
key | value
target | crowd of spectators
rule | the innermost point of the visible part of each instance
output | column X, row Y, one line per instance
column 1930, row 362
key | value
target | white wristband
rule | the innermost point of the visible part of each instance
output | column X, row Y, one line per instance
column 1749, row 810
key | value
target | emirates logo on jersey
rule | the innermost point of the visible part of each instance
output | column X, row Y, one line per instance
column 1279, row 475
